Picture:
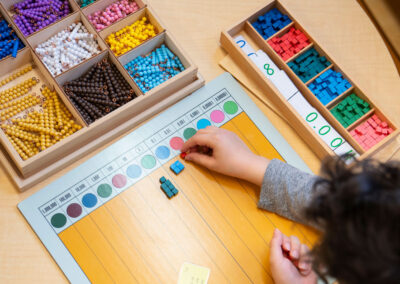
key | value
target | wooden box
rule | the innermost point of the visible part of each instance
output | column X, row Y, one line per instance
column 26, row 173
column 245, row 28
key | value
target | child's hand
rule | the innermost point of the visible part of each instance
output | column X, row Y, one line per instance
column 290, row 262
column 223, row 151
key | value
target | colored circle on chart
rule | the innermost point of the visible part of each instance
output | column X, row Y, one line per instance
column 104, row 190
column 134, row 171
column 74, row 210
column 176, row 143
column 119, row 180
column 58, row 220
column 230, row 107
column 148, row 162
column 203, row 123
column 217, row 116
column 89, row 200
column 162, row 152
column 189, row 132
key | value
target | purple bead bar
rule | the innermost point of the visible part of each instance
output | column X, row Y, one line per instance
column 34, row 15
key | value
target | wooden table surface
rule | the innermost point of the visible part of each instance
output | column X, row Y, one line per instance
column 339, row 26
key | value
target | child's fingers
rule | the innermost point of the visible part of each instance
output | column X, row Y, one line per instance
column 201, row 159
column 202, row 139
column 304, row 265
column 294, row 247
column 286, row 243
column 276, row 254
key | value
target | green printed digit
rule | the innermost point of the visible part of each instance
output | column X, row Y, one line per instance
column 324, row 132
column 336, row 142
column 311, row 117
column 269, row 70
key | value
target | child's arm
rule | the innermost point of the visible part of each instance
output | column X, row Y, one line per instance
column 285, row 190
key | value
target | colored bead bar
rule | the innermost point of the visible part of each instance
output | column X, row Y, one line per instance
column 34, row 15
column 9, row 41
column 271, row 22
column 309, row 64
column 329, row 85
column 84, row 3
column 131, row 36
column 67, row 48
column 371, row 132
column 350, row 109
column 155, row 68
column 101, row 90
column 112, row 13
column 289, row 44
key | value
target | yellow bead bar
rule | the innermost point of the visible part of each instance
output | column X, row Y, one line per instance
column 16, row 75
column 131, row 36
column 16, row 91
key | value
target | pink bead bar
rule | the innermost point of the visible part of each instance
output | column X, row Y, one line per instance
column 112, row 13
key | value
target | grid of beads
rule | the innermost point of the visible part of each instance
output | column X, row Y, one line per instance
column 101, row 90
column 371, row 132
column 328, row 86
column 271, row 22
column 112, row 13
column 350, row 109
column 131, row 36
column 289, row 44
column 155, row 68
column 67, row 48
column 308, row 64
column 34, row 15
column 39, row 130
column 9, row 41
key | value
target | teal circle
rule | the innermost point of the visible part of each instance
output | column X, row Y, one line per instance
column 148, row 162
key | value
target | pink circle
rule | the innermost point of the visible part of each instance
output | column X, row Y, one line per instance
column 176, row 143
column 119, row 180
column 217, row 116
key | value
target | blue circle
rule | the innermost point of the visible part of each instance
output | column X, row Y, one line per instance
column 134, row 171
column 162, row 152
column 203, row 123
column 89, row 200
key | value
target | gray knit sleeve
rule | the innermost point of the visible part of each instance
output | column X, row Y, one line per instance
column 286, row 190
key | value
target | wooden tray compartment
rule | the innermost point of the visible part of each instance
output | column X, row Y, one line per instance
column 146, row 12
column 245, row 29
column 179, row 80
column 57, row 150
column 52, row 30
column 102, row 4
column 7, row 5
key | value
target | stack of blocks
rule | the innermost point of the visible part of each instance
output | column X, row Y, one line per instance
column 328, row 86
column 309, row 64
column 371, row 132
column 350, row 109
column 177, row 167
column 289, row 44
column 271, row 22
column 168, row 188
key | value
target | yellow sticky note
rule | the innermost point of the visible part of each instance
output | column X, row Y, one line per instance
column 193, row 274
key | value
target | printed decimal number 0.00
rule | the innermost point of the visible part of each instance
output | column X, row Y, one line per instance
column 324, row 130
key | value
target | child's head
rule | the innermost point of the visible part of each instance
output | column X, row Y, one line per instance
column 358, row 210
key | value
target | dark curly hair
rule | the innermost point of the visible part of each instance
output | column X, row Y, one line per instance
column 358, row 210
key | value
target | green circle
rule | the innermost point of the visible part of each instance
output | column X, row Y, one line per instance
column 104, row 190
column 58, row 220
column 188, row 133
column 148, row 162
column 230, row 107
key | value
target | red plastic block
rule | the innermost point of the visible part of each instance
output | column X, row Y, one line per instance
column 371, row 132
column 289, row 44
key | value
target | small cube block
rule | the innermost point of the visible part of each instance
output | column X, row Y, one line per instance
column 163, row 179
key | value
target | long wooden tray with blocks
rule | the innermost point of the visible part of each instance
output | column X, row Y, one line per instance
column 327, row 109
column 28, row 172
